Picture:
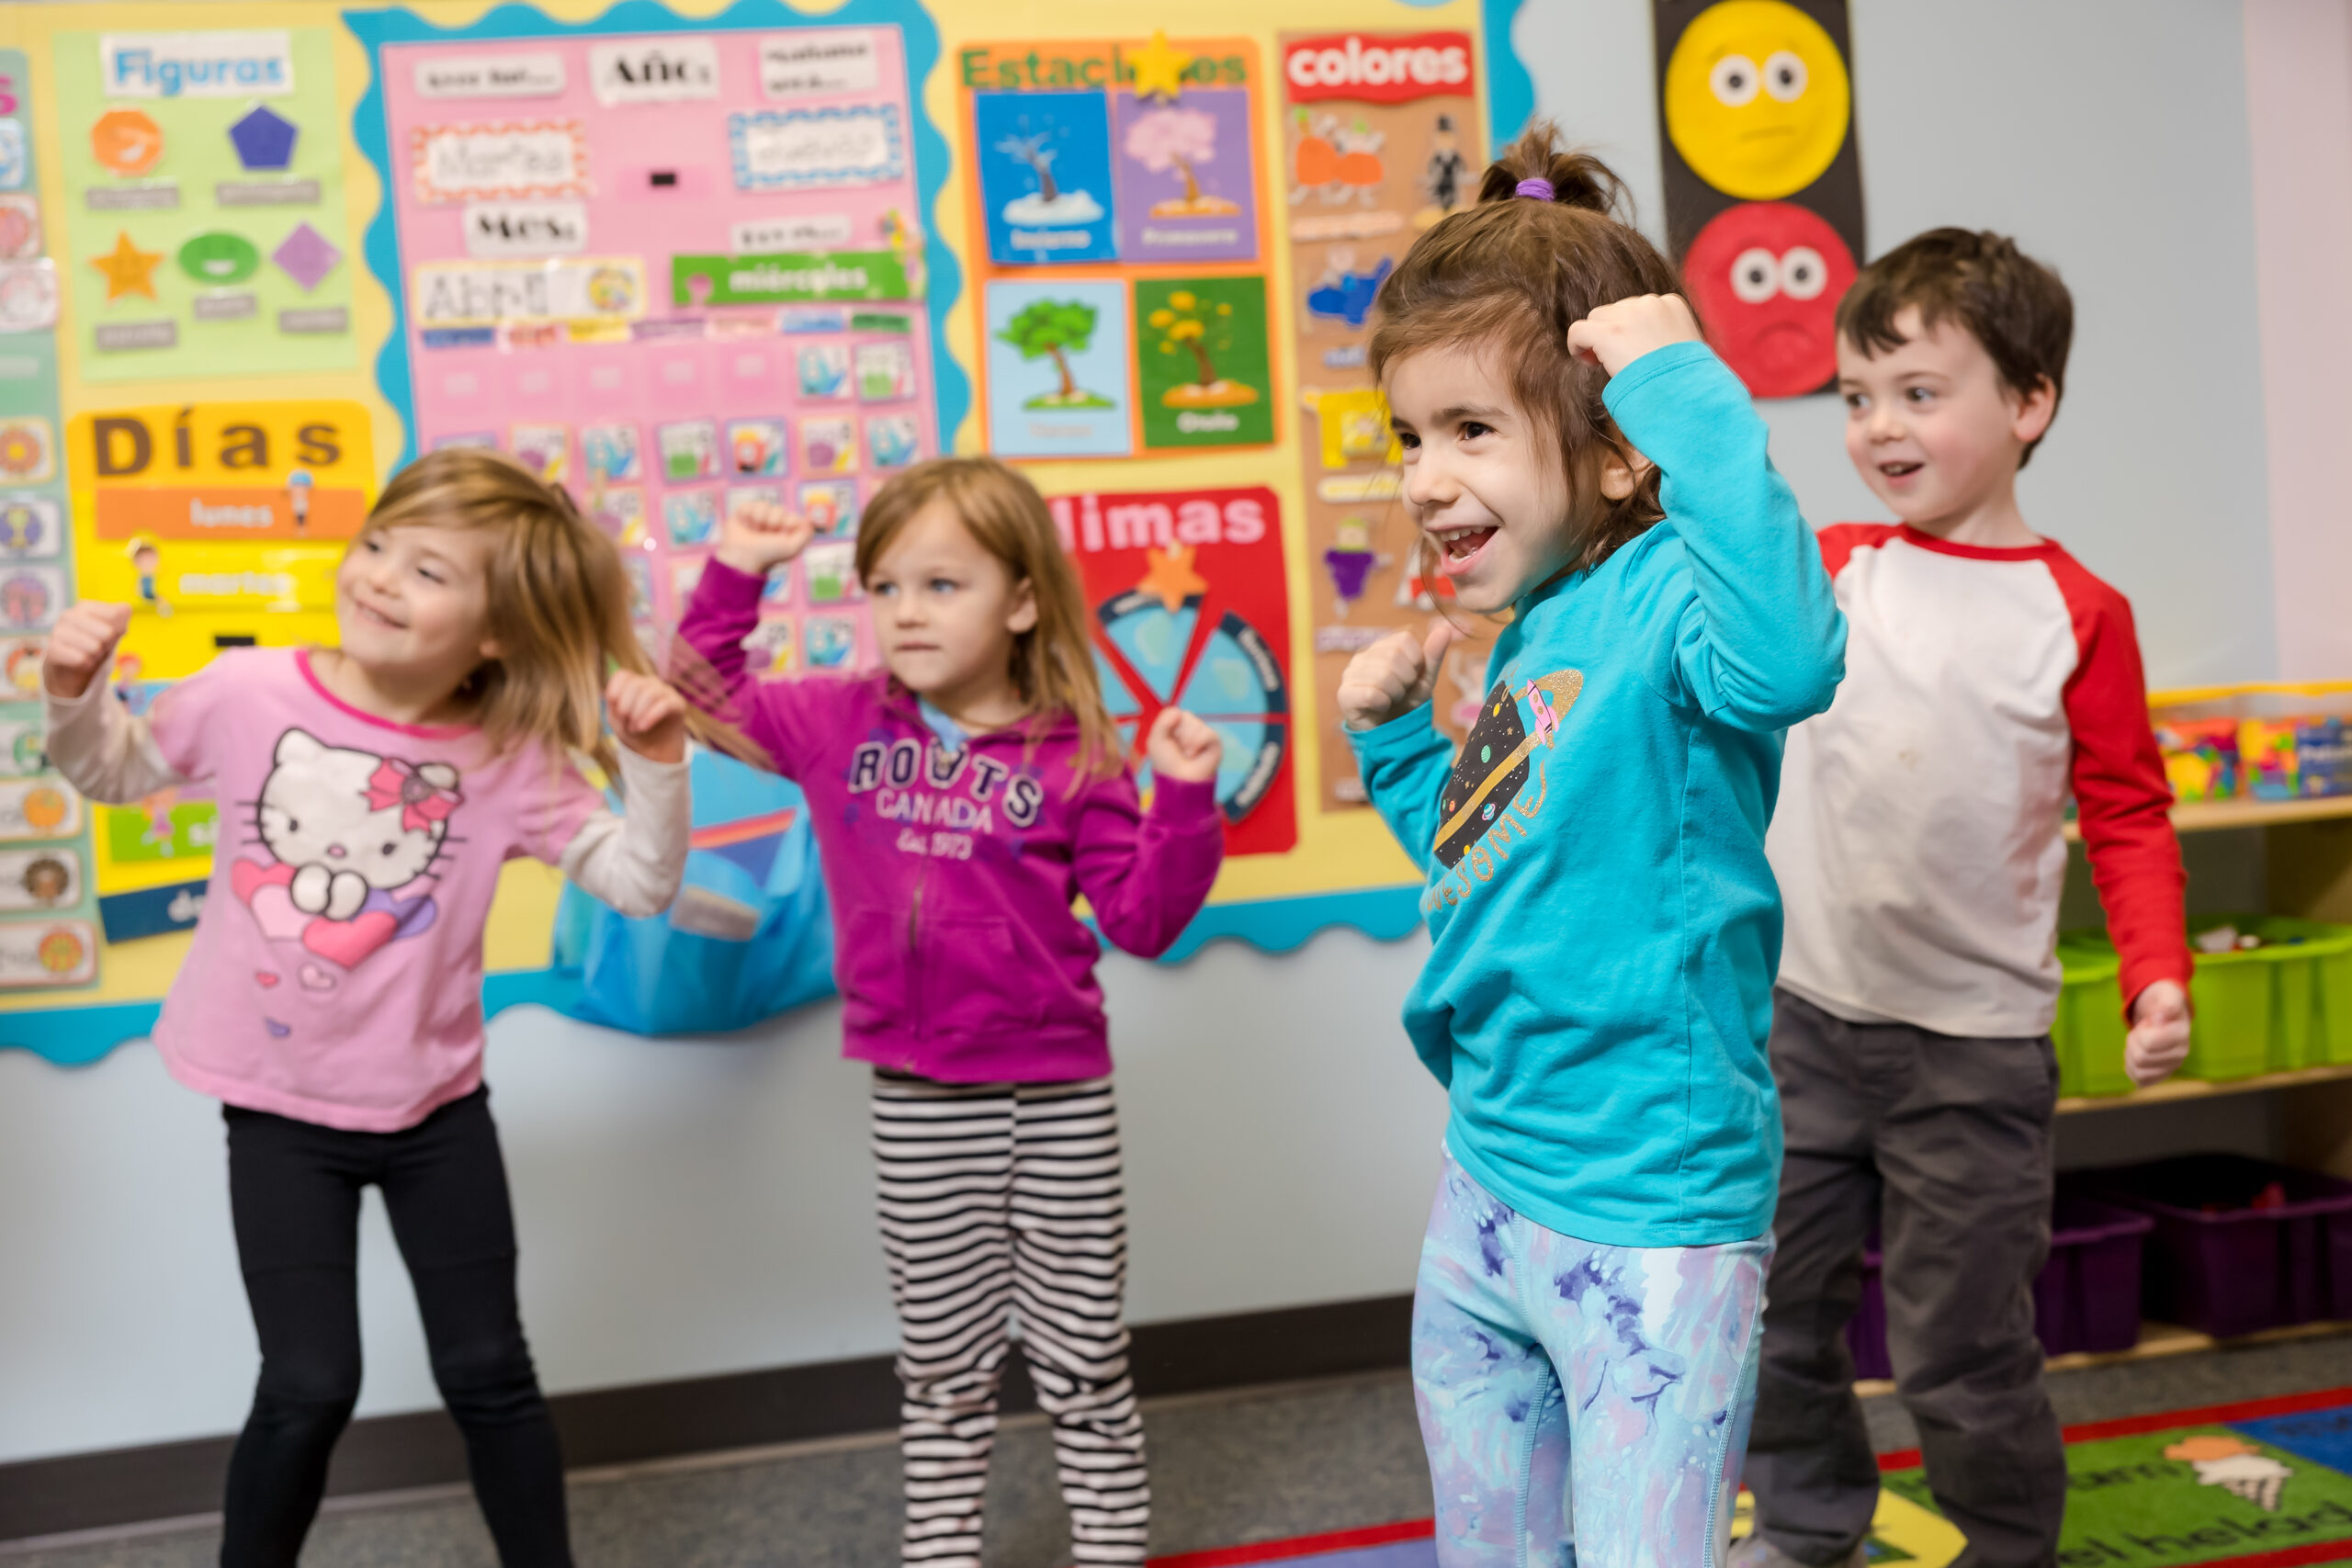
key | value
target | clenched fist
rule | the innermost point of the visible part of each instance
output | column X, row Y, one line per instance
column 648, row 715
column 2159, row 1039
column 81, row 644
column 759, row 536
column 1394, row 675
column 1182, row 747
column 1615, row 335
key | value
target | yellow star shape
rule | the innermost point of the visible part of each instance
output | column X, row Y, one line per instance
column 129, row 269
column 1159, row 69
column 1172, row 576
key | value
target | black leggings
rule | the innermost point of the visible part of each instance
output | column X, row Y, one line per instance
column 294, row 1192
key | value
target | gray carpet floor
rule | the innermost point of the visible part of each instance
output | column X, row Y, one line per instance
column 1249, row 1465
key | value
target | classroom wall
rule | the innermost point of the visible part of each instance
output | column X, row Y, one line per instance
column 2299, row 85
column 700, row 1207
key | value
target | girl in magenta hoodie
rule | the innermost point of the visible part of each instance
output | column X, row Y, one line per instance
column 962, row 798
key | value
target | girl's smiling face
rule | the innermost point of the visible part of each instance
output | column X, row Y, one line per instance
column 1482, row 479
column 414, row 601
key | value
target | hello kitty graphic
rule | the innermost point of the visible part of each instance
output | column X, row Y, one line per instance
column 347, row 831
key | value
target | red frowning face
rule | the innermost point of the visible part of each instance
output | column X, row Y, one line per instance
column 1766, row 277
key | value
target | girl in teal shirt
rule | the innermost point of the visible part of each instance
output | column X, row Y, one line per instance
column 1604, row 926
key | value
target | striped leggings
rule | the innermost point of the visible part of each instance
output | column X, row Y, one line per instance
column 997, row 1197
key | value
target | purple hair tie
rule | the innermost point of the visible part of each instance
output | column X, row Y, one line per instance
column 1540, row 189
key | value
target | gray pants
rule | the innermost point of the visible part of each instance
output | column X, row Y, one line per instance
column 1946, row 1143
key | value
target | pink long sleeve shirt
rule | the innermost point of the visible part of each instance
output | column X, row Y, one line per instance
column 952, row 871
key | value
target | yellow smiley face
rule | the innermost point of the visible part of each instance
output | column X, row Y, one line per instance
column 1756, row 98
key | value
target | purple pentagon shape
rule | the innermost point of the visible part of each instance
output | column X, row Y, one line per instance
column 263, row 139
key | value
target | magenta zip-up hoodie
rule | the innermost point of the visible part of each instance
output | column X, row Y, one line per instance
column 952, row 872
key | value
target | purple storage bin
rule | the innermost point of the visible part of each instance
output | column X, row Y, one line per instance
column 2242, row 1270
column 2085, row 1298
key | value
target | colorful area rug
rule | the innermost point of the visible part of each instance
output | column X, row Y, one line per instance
column 2266, row 1483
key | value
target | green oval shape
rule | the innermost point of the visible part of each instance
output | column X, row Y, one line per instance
column 220, row 257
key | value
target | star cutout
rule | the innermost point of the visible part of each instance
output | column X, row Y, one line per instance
column 1159, row 69
column 129, row 269
column 1172, row 577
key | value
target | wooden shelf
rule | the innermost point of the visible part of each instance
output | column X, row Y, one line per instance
column 2198, row 1088
column 2157, row 1340
column 2207, row 816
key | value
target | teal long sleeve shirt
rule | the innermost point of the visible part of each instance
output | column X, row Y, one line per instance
column 1604, row 926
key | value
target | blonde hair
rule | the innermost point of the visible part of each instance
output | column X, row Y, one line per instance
column 1053, row 662
column 558, row 600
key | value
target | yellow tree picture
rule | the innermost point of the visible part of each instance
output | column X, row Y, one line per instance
column 1193, row 325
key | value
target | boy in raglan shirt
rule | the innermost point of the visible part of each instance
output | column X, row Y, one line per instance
column 1919, row 850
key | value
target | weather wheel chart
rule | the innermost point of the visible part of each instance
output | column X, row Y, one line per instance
column 1189, row 612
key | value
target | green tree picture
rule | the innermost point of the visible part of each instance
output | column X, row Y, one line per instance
column 1200, row 348
column 1056, row 329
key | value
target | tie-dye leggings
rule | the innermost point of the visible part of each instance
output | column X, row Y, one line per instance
column 1584, row 1406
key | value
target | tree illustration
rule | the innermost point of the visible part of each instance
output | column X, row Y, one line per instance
column 1179, row 139
column 1187, row 321
column 1032, row 150
column 1055, row 328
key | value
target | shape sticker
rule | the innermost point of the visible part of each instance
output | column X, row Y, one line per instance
column 1058, row 370
column 1045, row 180
column 128, row 269
column 263, row 139
column 1202, row 362
column 218, row 257
column 306, row 257
column 126, row 141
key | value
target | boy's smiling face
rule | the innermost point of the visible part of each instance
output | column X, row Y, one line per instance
column 1482, row 479
column 1932, row 428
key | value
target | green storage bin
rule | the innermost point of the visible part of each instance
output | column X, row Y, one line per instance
column 2088, row 1030
column 2294, row 994
column 2285, row 1005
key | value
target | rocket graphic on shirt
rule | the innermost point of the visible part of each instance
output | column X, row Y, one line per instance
column 1495, row 762
column 347, row 834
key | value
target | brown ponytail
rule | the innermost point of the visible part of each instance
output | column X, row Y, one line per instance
column 1511, row 273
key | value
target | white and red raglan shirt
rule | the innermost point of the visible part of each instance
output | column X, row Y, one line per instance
column 1919, row 840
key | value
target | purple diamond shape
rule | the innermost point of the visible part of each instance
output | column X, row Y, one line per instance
column 306, row 255
column 263, row 139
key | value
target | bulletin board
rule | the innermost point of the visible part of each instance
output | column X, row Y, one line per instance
column 254, row 258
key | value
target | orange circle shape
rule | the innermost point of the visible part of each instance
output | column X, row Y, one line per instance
column 126, row 141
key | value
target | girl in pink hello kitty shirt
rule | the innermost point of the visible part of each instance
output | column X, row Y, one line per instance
column 332, row 996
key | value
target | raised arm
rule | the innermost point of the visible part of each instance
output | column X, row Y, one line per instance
column 1760, row 644
column 635, row 859
column 102, row 748
column 1146, row 872
column 1385, row 695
